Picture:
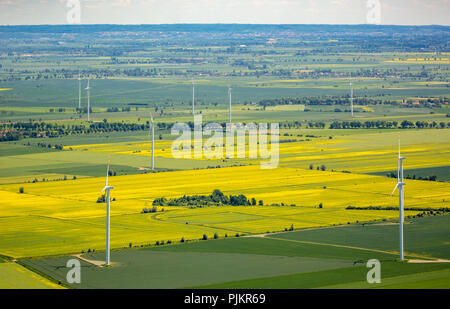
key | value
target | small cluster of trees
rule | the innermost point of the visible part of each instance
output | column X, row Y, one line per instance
column 59, row 110
column 112, row 173
column 161, row 243
column 102, row 199
column 217, row 198
column 289, row 229
column 10, row 136
column 44, row 145
column 319, row 168
column 116, row 109
column 149, row 210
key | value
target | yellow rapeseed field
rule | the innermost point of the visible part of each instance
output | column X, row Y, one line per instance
column 63, row 217
column 15, row 276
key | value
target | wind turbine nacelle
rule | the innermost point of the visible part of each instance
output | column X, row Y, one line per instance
column 107, row 188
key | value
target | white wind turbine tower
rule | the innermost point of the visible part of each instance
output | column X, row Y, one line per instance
column 88, row 89
column 400, row 185
column 229, row 94
column 152, row 124
column 107, row 189
column 351, row 96
column 79, row 90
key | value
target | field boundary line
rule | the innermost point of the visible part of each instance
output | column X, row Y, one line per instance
column 156, row 217
column 332, row 245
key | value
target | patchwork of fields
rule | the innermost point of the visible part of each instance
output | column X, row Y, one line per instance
column 59, row 217
column 56, row 216
column 53, row 161
column 360, row 152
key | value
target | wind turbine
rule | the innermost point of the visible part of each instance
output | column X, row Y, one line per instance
column 229, row 94
column 153, row 141
column 351, row 96
column 400, row 185
column 193, row 98
column 88, row 89
column 107, row 189
column 79, row 90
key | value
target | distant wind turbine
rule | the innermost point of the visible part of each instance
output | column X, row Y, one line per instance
column 351, row 96
column 229, row 94
column 88, row 89
column 79, row 90
column 400, row 185
column 152, row 124
column 107, row 189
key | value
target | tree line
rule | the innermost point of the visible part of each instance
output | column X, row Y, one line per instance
column 16, row 131
column 217, row 198
column 345, row 100
column 382, row 124
column 429, row 209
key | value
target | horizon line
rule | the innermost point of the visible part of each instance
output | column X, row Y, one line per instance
column 244, row 24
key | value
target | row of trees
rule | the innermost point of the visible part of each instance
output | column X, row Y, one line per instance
column 116, row 109
column 427, row 209
column 326, row 100
column 382, row 124
column 18, row 130
column 319, row 168
column 345, row 100
column 429, row 178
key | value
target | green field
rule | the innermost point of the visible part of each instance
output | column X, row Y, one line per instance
column 442, row 173
column 290, row 260
column 394, row 275
column 426, row 236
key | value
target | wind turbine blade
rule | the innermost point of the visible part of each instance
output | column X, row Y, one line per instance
column 396, row 186
column 107, row 174
column 151, row 125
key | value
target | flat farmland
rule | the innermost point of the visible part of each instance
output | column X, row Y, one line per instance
column 314, row 220
column 275, row 261
column 58, row 217
column 358, row 151
column 168, row 270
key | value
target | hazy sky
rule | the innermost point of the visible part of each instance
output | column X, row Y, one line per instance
column 401, row 12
